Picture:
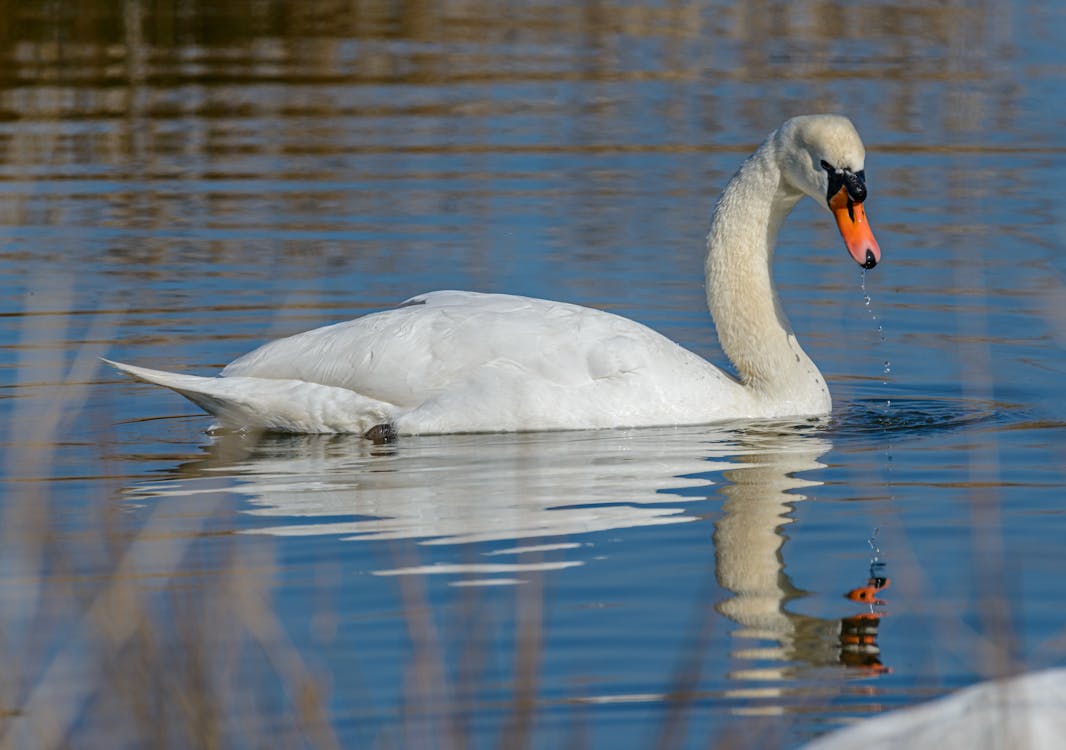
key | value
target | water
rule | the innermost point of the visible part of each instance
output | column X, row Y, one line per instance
column 181, row 185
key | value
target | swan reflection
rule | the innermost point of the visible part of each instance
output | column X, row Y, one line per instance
column 535, row 493
column 465, row 489
column 761, row 491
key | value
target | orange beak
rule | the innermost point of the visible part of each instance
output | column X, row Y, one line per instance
column 851, row 221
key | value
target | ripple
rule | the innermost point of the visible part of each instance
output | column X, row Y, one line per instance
column 913, row 416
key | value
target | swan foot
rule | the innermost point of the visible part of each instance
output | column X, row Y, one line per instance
column 381, row 434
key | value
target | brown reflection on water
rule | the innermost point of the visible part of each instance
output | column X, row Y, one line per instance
column 176, row 106
column 165, row 61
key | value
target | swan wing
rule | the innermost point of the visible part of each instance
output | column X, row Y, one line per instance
column 435, row 342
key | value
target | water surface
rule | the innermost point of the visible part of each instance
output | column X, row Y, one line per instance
column 182, row 185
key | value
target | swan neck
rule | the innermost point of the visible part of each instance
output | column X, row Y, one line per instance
column 753, row 330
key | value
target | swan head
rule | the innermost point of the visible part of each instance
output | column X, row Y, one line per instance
column 823, row 156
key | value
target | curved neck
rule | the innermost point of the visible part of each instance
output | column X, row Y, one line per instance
column 752, row 328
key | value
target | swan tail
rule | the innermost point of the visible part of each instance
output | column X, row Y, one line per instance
column 275, row 405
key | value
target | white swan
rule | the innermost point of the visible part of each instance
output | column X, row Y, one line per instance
column 465, row 362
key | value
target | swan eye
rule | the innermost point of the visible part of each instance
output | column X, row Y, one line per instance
column 828, row 167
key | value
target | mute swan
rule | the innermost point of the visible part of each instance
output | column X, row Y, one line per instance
column 465, row 362
column 1025, row 712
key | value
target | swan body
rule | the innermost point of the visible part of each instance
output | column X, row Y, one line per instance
column 455, row 361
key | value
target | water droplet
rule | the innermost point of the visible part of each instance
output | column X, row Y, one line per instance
column 868, row 302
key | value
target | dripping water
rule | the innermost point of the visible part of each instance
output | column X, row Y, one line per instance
column 886, row 370
column 886, row 366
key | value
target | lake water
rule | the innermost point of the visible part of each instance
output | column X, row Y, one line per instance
column 179, row 185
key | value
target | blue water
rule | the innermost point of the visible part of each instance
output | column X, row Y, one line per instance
column 178, row 188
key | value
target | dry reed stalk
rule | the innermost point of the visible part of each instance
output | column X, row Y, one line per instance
column 105, row 643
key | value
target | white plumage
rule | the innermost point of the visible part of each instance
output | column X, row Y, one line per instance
column 455, row 361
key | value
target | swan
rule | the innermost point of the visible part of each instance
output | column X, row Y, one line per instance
column 451, row 361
